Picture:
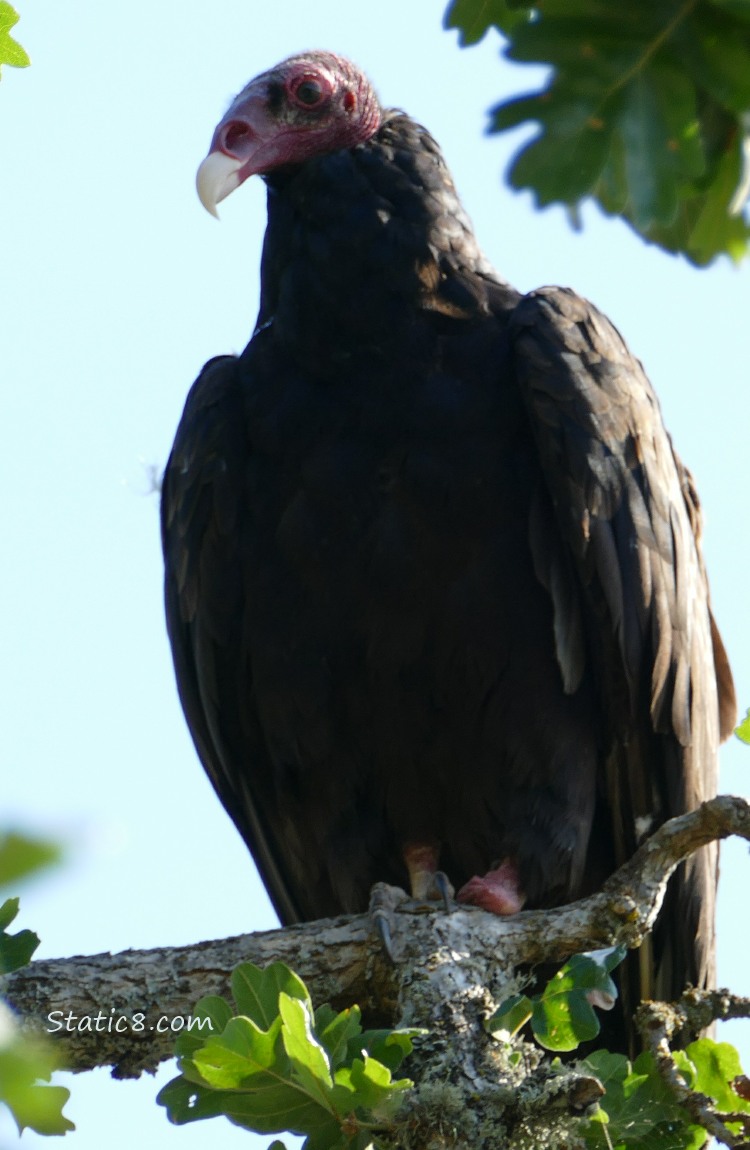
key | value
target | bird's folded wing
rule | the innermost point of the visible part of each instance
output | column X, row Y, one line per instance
column 202, row 537
column 616, row 540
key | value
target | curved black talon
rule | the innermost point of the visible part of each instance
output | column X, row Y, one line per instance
column 382, row 925
column 383, row 901
column 445, row 888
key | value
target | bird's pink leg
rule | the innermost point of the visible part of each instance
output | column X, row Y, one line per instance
column 425, row 880
column 499, row 891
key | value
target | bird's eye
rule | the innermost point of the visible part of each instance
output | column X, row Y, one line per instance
column 308, row 92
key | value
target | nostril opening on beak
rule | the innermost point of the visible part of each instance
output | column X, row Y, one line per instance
column 235, row 135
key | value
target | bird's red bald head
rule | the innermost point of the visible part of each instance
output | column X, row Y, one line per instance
column 308, row 105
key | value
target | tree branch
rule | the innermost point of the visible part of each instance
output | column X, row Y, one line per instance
column 450, row 969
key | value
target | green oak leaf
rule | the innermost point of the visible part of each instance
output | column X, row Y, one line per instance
column 210, row 1015
column 187, row 1101
column 307, row 1056
column 638, row 1110
column 256, row 991
column 390, row 1047
column 336, row 1032
column 568, row 156
column 563, row 1016
column 11, row 51
column 717, row 1065
column 15, row 949
column 564, row 1019
column 20, row 856
column 26, row 1065
column 474, row 20
column 743, row 730
column 278, row 1108
column 371, row 1082
column 267, row 1104
column 243, row 1052
column 511, row 1015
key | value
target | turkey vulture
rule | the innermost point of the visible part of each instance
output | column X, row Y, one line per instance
column 434, row 586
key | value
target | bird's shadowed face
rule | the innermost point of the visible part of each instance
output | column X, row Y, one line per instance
column 307, row 106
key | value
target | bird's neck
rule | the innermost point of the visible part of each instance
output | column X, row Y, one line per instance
column 362, row 243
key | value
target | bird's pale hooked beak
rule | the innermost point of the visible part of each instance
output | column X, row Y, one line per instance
column 217, row 177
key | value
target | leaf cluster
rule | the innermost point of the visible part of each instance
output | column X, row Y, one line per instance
column 274, row 1064
column 20, row 857
column 639, row 1112
column 563, row 1016
column 26, row 1063
column 646, row 110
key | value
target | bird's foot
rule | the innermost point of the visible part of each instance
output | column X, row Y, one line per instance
column 427, row 884
column 499, row 891
column 443, row 888
column 383, row 901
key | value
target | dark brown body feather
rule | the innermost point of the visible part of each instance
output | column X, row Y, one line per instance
column 433, row 569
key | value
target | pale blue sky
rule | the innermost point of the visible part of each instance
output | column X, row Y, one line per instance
column 117, row 286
